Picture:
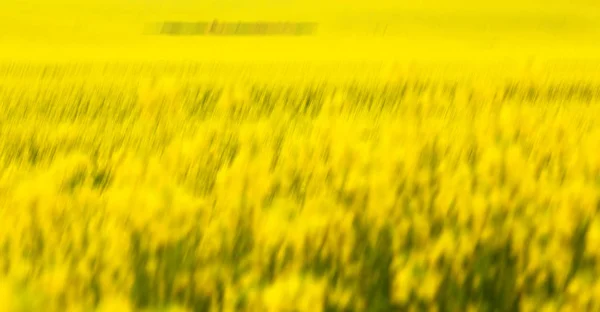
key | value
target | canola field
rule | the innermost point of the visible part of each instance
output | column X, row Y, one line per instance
column 127, row 189
column 445, row 161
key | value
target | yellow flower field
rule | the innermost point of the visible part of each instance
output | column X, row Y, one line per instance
column 121, row 192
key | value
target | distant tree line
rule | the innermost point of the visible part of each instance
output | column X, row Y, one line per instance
column 219, row 28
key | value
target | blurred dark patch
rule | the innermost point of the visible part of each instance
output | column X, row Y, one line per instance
column 219, row 28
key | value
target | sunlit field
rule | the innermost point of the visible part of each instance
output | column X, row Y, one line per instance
column 402, row 158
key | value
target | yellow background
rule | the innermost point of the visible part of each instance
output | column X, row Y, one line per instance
column 349, row 30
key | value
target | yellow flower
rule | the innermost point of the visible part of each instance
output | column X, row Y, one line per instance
column 429, row 286
column 7, row 298
column 403, row 284
column 56, row 280
column 528, row 304
column 115, row 304
column 340, row 297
